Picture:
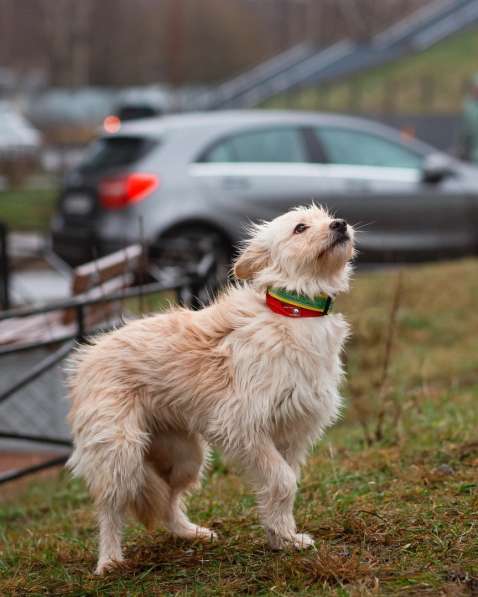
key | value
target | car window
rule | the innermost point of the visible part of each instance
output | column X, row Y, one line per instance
column 114, row 152
column 267, row 145
column 346, row 146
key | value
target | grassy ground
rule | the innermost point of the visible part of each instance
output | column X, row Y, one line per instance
column 432, row 81
column 391, row 493
column 27, row 209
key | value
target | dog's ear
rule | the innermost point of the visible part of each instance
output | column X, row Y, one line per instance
column 254, row 258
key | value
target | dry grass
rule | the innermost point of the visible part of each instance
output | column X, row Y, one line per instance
column 432, row 81
column 394, row 512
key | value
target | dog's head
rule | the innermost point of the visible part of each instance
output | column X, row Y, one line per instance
column 305, row 250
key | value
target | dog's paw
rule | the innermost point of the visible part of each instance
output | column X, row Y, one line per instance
column 205, row 534
column 303, row 541
column 106, row 566
column 296, row 540
column 195, row 533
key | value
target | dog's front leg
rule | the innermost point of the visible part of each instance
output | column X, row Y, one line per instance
column 275, row 484
column 294, row 451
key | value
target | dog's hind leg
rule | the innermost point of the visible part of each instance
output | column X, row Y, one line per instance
column 109, row 453
column 111, row 526
column 118, row 484
column 179, row 459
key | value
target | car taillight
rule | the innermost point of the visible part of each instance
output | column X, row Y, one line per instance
column 120, row 191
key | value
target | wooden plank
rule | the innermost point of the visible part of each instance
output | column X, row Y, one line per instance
column 95, row 279
column 107, row 287
column 35, row 328
column 59, row 324
column 28, row 329
column 96, row 272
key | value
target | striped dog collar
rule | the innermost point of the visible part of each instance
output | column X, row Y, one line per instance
column 297, row 305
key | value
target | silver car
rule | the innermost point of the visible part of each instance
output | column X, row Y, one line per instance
column 188, row 184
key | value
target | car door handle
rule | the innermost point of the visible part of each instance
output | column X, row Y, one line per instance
column 236, row 183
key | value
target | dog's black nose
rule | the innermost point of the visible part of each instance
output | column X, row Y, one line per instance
column 338, row 225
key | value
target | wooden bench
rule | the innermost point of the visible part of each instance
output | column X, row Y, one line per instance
column 98, row 278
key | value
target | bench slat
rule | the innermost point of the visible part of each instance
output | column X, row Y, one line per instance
column 96, row 272
column 104, row 276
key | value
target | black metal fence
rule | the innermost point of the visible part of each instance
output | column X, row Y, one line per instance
column 421, row 106
column 426, row 94
column 189, row 286
column 4, row 269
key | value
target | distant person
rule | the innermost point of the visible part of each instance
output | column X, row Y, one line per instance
column 469, row 137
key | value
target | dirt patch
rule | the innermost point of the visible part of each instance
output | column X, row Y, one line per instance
column 13, row 460
column 10, row 461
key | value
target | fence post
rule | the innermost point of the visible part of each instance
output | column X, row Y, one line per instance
column 80, row 323
column 390, row 96
column 354, row 96
column 350, row 97
column 4, row 269
column 427, row 92
column 316, row 101
column 358, row 97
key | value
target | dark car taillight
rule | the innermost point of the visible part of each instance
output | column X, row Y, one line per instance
column 120, row 191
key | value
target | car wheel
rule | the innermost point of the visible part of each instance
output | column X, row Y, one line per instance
column 203, row 255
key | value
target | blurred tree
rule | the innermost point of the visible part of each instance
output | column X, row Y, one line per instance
column 133, row 42
column 125, row 44
column 56, row 26
column 81, row 25
column 202, row 37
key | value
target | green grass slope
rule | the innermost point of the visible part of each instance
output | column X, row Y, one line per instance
column 431, row 81
column 27, row 209
column 391, row 493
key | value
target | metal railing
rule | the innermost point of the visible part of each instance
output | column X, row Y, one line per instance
column 228, row 93
column 4, row 268
column 303, row 66
column 192, row 282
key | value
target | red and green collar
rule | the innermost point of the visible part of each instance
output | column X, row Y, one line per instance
column 297, row 305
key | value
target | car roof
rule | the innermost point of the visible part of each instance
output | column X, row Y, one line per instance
column 225, row 117
column 225, row 120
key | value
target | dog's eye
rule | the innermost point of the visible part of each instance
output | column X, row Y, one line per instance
column 300, row 228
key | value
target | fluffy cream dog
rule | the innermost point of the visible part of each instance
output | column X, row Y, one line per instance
column 251, row 377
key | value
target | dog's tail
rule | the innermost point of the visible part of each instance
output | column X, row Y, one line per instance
column 111, row 444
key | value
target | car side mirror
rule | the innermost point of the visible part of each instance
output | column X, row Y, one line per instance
column 436, row 167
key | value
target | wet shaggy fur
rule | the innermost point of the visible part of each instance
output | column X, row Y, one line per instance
column 150, row 398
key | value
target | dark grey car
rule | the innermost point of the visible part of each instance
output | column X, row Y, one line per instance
column 192, row 182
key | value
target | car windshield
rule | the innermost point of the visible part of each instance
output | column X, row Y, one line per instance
column 115, row 152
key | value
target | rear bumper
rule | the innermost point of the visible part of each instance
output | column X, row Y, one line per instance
column 74, row 248
column 77, row 245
